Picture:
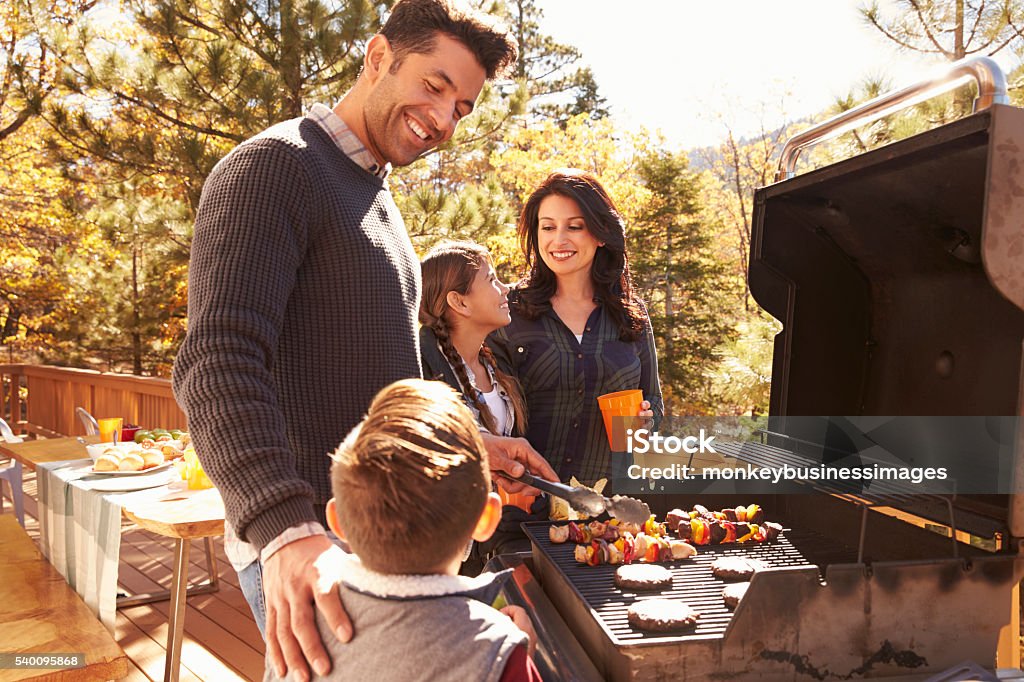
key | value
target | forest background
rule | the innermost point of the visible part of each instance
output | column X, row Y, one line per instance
column 112, row 114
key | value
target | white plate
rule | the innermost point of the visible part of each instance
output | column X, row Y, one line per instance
column 150, row 470
column 116, row 484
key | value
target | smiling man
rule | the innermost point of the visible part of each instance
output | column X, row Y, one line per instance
column 303, row 296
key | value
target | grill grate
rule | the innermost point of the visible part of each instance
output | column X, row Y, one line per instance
column 692, row 580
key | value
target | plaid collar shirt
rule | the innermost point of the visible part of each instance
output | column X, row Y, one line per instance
column 347, row 140
column 561, row 379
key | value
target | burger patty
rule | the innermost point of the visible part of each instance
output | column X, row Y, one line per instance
column 736, row 567
column 733, row 593
column 661, row 615
column 643, row 577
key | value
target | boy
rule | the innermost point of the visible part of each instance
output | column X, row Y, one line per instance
column 411, row 489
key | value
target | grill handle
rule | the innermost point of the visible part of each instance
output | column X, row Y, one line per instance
column 983, row 70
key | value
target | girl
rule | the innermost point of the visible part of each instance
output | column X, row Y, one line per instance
column 463, row 302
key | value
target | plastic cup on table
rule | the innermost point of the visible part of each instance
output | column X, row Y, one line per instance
column 619, row 411
column 110, row 429
column 195, row 477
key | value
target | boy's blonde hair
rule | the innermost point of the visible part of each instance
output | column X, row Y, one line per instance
column 410, row 481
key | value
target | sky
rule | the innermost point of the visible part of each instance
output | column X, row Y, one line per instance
column 688, row 67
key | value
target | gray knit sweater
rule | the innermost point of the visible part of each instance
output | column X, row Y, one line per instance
column 303, row 292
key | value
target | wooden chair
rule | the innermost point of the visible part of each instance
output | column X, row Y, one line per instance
column 12, row 474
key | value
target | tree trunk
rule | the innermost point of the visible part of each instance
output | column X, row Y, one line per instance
column 959, row 49
column 291, row 67
column 744, row 228
column 520, row 33
column 669, row 302
column 962, row 104
column 136, row 317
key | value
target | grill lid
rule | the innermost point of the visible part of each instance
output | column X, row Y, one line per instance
column 898, row 278
column 894, row 276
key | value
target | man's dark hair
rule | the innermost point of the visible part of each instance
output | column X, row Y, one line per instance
column 414, row 25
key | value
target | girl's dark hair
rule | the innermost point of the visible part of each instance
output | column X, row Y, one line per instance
column 609, row 272
column 452, row 266
column 413, row 27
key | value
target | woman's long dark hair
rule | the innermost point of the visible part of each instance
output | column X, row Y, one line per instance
column 452, row 266
column 610, row 270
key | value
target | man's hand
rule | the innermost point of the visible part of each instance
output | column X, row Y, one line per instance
column 291, row 585
column 522, row 621
column 509, row 456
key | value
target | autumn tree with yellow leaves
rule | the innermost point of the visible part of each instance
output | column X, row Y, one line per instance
column 123, row 112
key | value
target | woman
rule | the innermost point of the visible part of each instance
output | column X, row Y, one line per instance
column 463, row 302
column 578, row 331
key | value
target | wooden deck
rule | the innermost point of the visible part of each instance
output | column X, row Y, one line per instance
column 222, row 642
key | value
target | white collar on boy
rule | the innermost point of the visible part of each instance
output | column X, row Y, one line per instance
column 354, row 574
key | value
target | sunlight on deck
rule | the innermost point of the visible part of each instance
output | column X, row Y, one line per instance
column 222, row 642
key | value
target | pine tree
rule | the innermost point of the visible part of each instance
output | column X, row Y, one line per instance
column 558, row 88
column 189, row 79
column 953, row 30
column 454, row 191
column 160, row 91
column 687, row 288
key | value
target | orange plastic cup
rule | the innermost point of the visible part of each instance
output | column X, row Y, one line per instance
column 619, row 411
column 110, row 429
column 522, row 500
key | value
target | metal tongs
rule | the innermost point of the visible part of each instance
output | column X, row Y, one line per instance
column 586, row 501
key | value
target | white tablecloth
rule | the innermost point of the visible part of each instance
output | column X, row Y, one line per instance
column 80, row 526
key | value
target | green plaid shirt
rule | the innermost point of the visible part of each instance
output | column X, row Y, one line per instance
column 562, row 378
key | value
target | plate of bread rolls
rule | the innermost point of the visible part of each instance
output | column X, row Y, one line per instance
column 127, row 459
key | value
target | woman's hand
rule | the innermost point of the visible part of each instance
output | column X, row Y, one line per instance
column 646, row 415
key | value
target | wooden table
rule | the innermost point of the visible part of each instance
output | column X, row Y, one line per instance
column 39, row 614
column 31, row 453
column 199, row 515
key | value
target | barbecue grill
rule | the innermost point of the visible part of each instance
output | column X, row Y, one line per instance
column 898, row 277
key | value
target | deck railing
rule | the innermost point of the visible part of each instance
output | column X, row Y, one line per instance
column 42, row 399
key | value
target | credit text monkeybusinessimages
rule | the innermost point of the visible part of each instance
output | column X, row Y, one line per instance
column 644, row 441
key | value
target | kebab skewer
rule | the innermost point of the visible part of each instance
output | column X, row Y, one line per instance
column 742, row 524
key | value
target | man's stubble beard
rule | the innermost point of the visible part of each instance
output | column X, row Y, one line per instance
column 379, row 106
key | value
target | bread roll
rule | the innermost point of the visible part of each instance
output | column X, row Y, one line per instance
column 105, row 463
column 131, row 462
column 152, row 458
